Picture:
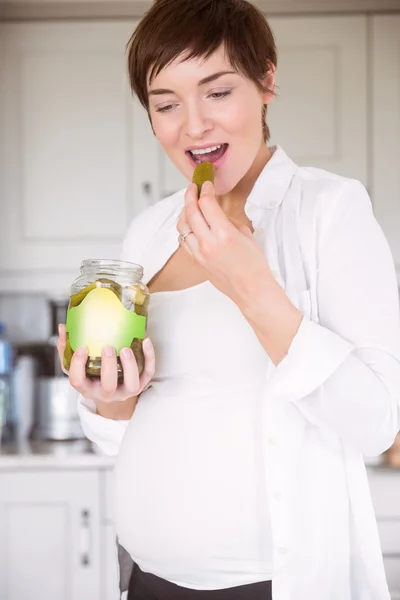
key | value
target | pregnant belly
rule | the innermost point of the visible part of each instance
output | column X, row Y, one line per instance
column 191, row 502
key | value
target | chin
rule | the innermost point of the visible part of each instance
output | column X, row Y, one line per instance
column 225, row 187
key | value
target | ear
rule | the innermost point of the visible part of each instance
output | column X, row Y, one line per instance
column 269, row 83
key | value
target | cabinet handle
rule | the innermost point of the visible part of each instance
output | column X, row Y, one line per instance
column 85, row 539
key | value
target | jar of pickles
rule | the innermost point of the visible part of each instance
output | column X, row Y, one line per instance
column 108, row 307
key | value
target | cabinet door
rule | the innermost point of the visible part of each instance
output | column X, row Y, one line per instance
column 49, row 536
column 320, row 113
column 386, row 127
column 66, row 149
column 158, row 177
column 111, row 573
column 385, row 493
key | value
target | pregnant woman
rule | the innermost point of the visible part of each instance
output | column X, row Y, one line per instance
column 273, row 350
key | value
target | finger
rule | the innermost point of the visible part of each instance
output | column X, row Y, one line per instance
column 61, row 342
column 62, row 332
column 194, row 216
column 62, row 337
column 60, row 351
column 183, row 226
column 131, row 373
column 213, row 213
column 77, row 369
column 109, row 371
column 149, row 363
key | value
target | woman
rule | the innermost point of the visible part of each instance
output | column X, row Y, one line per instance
column 275, row 322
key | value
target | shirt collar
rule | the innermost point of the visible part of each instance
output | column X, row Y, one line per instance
column 273, row 182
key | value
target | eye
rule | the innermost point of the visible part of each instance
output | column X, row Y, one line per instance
column 164, row 109
column 219, row 95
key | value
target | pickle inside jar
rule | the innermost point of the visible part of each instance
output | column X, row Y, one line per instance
column 134, row 299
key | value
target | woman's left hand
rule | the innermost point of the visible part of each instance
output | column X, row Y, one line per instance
column 232, row 258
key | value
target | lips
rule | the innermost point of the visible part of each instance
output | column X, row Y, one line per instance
column 212, row 157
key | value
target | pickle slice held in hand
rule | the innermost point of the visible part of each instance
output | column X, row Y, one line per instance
column 205, row 171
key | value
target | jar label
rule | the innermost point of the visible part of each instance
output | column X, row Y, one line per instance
column 102, row 320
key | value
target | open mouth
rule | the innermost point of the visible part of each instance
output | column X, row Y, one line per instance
column 212, row 154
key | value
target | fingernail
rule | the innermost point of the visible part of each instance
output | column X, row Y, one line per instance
column 109, row 351
column 127, row 353
column 147, row 344
column 81, row 351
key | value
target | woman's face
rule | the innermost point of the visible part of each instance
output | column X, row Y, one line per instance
column 199, row 105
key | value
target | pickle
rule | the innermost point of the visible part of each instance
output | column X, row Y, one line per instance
column 142, row 310
column 134, row 299
column 68, row 352
column 93, row 365
column 77, row 298
column 113, row 286
column 205, row 171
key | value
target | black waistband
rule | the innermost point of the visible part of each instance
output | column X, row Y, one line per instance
column 145, row 586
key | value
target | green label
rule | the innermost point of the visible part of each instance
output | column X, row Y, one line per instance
column 101, row 320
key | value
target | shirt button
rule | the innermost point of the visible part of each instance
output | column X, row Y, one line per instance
column 282, row 550
column 273, row 204
column 272, row 441
column 277, row 495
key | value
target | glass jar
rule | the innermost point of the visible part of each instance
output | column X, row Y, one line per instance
column 108, row 307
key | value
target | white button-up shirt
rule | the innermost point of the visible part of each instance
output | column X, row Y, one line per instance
column 336, row 395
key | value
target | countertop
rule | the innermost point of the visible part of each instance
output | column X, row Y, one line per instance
column 79, row 454
column 82, row 454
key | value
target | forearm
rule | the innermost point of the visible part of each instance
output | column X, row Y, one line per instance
column 274, row 319
column 118, row 411
column 345, row 389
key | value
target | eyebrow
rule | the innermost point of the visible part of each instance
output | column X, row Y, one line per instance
column 208, row 79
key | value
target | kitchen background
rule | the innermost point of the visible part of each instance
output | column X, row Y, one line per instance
column 78, row 161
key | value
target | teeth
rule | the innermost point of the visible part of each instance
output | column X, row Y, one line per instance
column 205, row 150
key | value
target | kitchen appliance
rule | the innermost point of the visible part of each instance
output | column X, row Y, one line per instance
column 24, row 395
column 55, row 415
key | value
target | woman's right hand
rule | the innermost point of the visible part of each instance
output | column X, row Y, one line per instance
column 106, row 390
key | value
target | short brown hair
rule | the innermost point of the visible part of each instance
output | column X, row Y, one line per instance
column 196, row 29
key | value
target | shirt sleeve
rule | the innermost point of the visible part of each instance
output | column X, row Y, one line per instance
column 105, row 433
column 343, row 373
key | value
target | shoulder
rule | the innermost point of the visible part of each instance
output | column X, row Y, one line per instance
column 327, row 198
column 149, row 223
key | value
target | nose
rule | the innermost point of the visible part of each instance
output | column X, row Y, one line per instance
column 197, row 122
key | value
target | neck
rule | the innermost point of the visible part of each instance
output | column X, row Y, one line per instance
column 234, row 202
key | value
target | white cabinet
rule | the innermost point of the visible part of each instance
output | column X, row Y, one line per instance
column 78, row 158
column 320, row 113
column 385, row 150
column 385, row 491
column 67, row 170
column 50, row 535
column 110, row 575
